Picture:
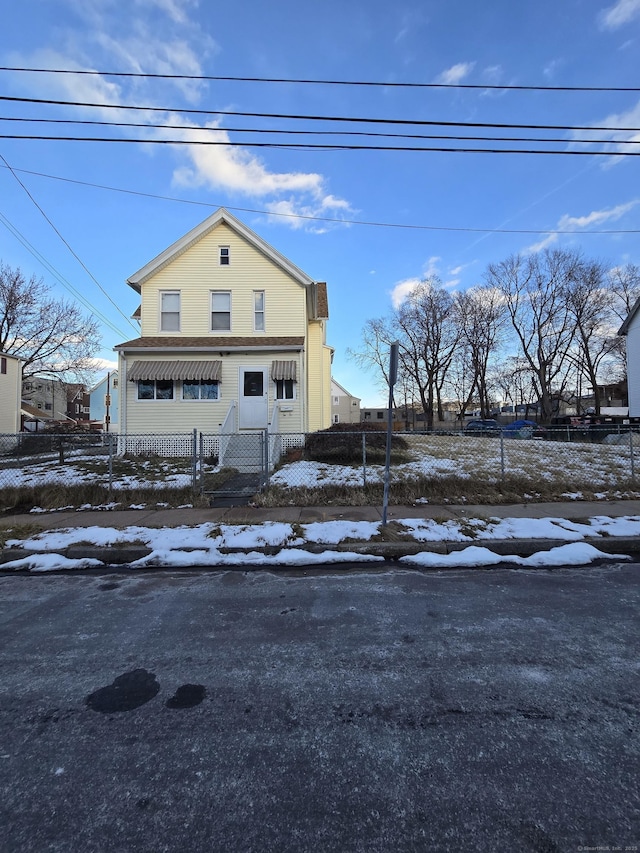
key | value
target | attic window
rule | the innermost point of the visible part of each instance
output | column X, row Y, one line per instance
column 224, row 256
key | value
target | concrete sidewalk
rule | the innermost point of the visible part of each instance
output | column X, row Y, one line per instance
column 392, row 543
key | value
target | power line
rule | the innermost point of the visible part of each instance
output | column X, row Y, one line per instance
column 78, row 259
column 54, row 272
column 327, row 219
column 320, row 82
column 359, row 133
column 295, row 117
column 306, row 146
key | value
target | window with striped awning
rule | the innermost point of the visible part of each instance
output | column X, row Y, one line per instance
column 283, row 370
column 175, row 370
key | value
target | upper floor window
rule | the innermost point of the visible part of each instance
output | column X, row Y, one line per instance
column 224, row 256
column 3, row 365
column 221, row 311
column 258, row 310
column 170, row 311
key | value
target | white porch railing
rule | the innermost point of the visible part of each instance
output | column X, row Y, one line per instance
column 274, row 441
column 227, row 429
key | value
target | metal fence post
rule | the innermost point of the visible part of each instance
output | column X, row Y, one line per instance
column 633, row 471
column 502, row 453
column 194, row 460
column 201, row 459
column 364, row 459
column 265, row 456
column 110, row 451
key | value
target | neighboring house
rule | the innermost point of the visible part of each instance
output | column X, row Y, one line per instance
column 345, row 408
column 77, row 402
column 631, row 328
column 33, row 419
column 232, row 333
column 47, row 395
column 103, row 402
column 10, row 390
column 379, row 415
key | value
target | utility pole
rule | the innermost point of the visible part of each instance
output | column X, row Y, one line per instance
column 393, row 375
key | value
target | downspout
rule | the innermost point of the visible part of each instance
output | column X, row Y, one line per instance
column 122, row 394
column 305, row 400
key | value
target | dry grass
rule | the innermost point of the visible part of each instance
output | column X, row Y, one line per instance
column 56, row 496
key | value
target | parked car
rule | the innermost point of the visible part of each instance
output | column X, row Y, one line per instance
column 523, row 429
column 483, row 426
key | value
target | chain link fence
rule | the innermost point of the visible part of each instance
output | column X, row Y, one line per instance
column 249, row 463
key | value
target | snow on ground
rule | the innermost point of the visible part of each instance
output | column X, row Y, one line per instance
column 574, row 554
column 463, row 457
column 233, row 545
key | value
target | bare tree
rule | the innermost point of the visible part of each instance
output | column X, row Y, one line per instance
column 51, row 336
column 534, row 289
column 427, row 333
column 377, row 337
column 591, row 305
column 624, row 284
column 480, row 315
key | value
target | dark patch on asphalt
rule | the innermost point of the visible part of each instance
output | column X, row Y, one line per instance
column 109, row 585
column 128, row 691
column 288, row 610
column 187, row 696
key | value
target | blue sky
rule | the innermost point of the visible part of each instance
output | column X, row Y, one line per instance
column 368, row 268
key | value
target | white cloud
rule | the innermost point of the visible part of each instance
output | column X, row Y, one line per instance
column 455, row 74
column 575, row 223
column 160, row 38
column 545, row 243
column 620, row 13
column 596, row 217
column 402, row 289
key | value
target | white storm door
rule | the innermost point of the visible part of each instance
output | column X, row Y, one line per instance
column 253, row 395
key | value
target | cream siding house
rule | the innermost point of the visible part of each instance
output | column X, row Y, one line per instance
column 10, row 393
column 232, row 333
column 631, row 328
column 345, row 408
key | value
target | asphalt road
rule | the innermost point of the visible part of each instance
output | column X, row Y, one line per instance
column 391, row 711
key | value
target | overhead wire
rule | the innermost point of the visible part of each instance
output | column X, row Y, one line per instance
column 58, row 275
column 327, row 219
column 67, row 244
column 297, row 132
column 388, row 84
column 299, row 117
column 306, row 146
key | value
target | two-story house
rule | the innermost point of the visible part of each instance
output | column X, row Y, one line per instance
column 10, row 387
column 631, row 328
column 232, row 333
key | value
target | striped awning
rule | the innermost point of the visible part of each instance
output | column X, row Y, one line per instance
column 283, row 370
column 208, row 370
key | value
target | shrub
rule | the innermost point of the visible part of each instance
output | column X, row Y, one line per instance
column 342, row 444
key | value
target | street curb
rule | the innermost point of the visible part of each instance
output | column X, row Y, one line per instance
column 122, row 556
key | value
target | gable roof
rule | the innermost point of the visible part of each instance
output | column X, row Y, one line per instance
column 220, row 216
column 624, row 328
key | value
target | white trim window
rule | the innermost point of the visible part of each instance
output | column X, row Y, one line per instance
column 336, row 419
column 170, row 311
column 155, row 389
column 258, row 310
column 200, row 389
column 224, row 256
column 285, row 389
column 220, row 310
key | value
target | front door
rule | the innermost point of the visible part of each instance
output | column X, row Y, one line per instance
column 253, row 396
